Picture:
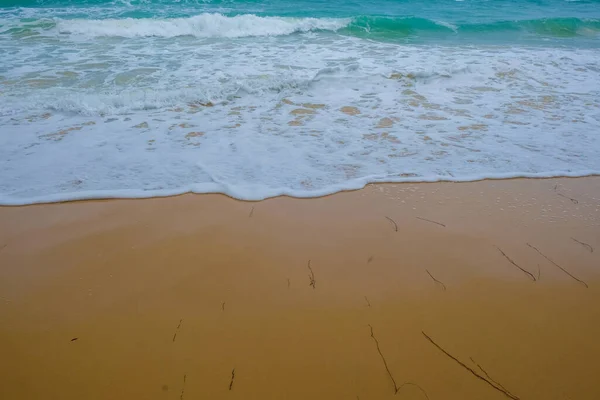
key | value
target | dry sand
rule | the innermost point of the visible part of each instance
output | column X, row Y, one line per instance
column 163, row 298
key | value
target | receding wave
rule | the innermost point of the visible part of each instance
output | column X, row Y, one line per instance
column 218, row 25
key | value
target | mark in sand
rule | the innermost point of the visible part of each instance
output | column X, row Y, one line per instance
column 232, row 378
column 370, row 259
column 367, row 300
column 177, row 329
column 435, row 280
column 515, row 264
column 393, row 222
column 490, row 382
column 3, row 246
column 587, row 246
column 486, row 374
column 289, row 283
column 223, row 306
column 74, row 339
column 433, row 222
column 396, row 387
column 311, row 277
column 561, row 268
column 251, row 212
column 183, row 388
column 574, row 201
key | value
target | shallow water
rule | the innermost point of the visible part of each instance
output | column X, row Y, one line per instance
column 255, row 99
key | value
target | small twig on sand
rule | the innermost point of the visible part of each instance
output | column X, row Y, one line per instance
column 177, row 329
column 183, row 388
column 396, row 388
column 74, row 339
column 435, row 280
column 561, row 268
column 515, row 264
column 393, row 222
column 414, row 384
column 311, row 277
column 574, row 201
column 232, row 378
column 251, row 212
column 223, row 306
column 368, row 303
column 570, row 198
column 587, row 246
column 433, row 222
column 486, row 374
column 486, row 380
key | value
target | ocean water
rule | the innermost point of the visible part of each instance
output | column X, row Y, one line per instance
column 256, row 99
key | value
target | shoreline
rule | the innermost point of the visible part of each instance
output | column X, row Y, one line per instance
column 359, row 184
column 205, row 296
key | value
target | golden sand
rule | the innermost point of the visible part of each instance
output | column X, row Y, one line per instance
column 205, row 297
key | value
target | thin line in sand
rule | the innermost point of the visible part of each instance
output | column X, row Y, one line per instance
column 561, row 268
column 496, row 386
column 515, row 264
column 433, row 222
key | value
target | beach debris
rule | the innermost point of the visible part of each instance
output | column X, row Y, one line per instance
column 433, row 222
column 251, row 212
column 223, row 306
column 436, row 281
column 515, row 264
column 183, row 388
column 396, row 387
column 232, row 378
column 393, row 222
column 367, row 300
column 487, row 375
column 561, row 268
column 74, row 339
column 311, row 277
column 574, row 201
column 489, row 381
column 587, row 246
column 177, row 329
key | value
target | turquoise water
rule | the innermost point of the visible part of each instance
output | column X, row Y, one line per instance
column 261, row 98
column 501, row 21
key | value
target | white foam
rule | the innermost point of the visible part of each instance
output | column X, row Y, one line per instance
column 124, row 118
column 203, row 25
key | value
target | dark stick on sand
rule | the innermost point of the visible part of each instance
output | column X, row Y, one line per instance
column 435, row 280
column 561, row 268
column 515, row 264
column 433, row 222
column 393, row 222
column 311, row 277
column 587, row 246
column 232, row 378
column 496, row 386
column 177, row 329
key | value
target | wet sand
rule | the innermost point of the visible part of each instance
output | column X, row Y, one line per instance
column 165, row 298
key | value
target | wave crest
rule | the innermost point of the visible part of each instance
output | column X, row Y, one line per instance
column 203, row 25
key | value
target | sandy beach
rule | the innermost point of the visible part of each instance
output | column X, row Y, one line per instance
column 483, row 290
